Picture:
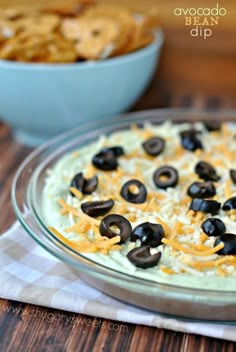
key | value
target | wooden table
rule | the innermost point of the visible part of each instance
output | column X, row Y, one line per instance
column 192, row 73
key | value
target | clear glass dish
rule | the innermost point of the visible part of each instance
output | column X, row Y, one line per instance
column 26, row 199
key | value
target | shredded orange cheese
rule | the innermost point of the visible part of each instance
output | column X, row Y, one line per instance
column 214, row 263
column 152, row 205
column 178, row 228
column 179, row 152
column 198, row 152
column 166, row 228
column 75, row 154
column 185, row 201
column 221, row 272
column 96, row 231
column 131, row 217
column 228, row 192
column 131, row 155
column 80, row 227
column 189, row 230
column 66, row 207
column 218, row 163
column 80, row 247
column 224, row 150
column 141, row 132
column 138, row 174
column 119, row 173
column 191, row 213
column 156, row 195
column 85, row 245
column 167, row 270
column 90, row 171
column 120, row 208
column 76, row 193
column 179, row 247
column 203, row 237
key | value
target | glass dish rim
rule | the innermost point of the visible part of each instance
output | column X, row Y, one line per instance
column 121, row 120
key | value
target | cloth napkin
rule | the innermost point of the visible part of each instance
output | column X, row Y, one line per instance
column 29, row 274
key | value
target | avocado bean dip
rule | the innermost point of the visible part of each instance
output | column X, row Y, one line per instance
column 156, row 202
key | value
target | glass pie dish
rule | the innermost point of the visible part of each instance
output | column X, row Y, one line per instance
column 27, row 190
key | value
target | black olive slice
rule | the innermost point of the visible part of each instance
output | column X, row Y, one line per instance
column 190, row 140
column 117, row 150
column 206, row 171
column 105, row 160
column 229, row 240
column 118, row 222
column 205, row 206
column 154, row 146
column 201, row 190
column 166, row 176
column 97, row 208
column 90, row 185
column 212, row 125
column 86, row 186
column 142, row 258
column 229, row 204
column 213, row 227
column 233, row 175
column 132, row 196
column 148, row 233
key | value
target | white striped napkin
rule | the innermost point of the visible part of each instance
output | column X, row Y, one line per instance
column 29, row 274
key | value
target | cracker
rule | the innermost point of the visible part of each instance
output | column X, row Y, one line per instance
column 7, row 29
column 122, row 16
column 22, row 48
column 142, row 35
column 39, row 48
column 60, row 50
column 92, row 36
column 70, row 8
column 10, row 13
column 74, row 30
column 43, row 24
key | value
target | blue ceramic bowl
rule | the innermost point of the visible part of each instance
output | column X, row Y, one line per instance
column 41, row 100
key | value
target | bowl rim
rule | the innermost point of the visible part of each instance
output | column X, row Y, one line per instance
column 121, row 59
column 120, row 275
